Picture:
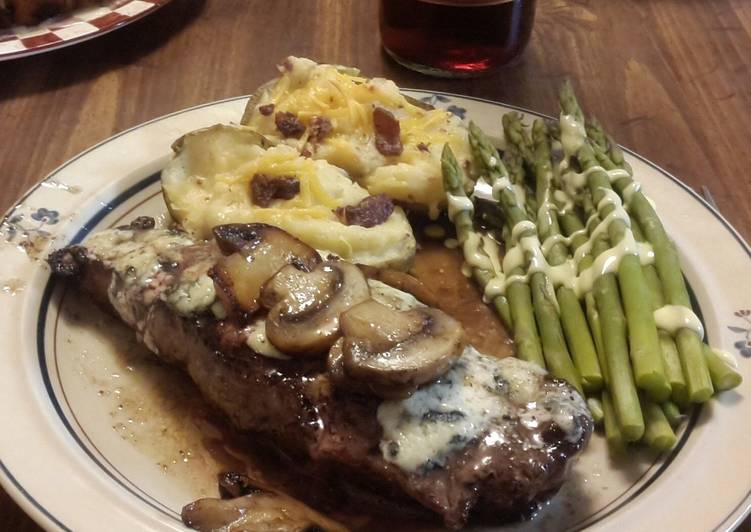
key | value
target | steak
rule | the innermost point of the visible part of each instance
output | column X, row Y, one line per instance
column 490, row 439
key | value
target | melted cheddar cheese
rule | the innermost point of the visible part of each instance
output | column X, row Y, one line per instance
column 309, row 90
column 208, row 183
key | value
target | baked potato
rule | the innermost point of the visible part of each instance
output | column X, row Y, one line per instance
column 232, row 174
column 350, row 109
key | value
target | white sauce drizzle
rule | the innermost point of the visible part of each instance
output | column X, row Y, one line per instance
column 552, row 240
column 474, row 255
column 521, row 195
column 451, row 243
column 526, row 248
column 727, row 358
column 494, row 252
column 522, row 227
column 503, row 184
column 630, row 190
column 573, row 135
column 672, row 318
column 457, row 204
column 564, row 202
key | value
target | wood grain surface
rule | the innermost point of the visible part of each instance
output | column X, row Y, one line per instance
column 670, row 79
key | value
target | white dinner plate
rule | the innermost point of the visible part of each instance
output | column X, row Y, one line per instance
column 95, row 434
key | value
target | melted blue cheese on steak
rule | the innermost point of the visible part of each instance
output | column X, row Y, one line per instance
column 151, row 265
column 475, row 400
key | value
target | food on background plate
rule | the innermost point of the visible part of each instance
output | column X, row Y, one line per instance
column 225, row 174
column 276, row 292
column 388, row 143
column 30, row 12
column 382, row 394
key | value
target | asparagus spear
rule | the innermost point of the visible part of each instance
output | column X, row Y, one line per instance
column 723, row 376
column 482, row 277
column 622, row 394
column 621, row 380
column 607, row 146
column 696, row 373
column 518, row 294
column 698, row 379
column 670, row 356
column 673, row 368
column 672, row 413
column 513, row 157
column 554, row 346
column 645, row 349
column 453, row 184
column 572, row 316
column 595, row 408
column 593, row 318
column 645, row 352
column 613, row 435
column 658, row 433
column 526, row 337
column 695, row 370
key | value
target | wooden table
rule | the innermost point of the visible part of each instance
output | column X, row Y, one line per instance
column 669, row 78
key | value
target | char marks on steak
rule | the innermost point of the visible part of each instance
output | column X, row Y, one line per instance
column 335, row 434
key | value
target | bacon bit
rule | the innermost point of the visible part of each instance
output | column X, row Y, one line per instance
column 306, row 152
column 320, row 128
column 423, row 147
column 371, row 211
column 265, row 188
column 387, row 131
column 267, row 109
column 285, row 66
column 289, row 125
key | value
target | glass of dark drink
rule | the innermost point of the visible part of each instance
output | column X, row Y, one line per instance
column 456, row 38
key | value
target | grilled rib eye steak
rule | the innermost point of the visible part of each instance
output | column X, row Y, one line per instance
column 488, row 438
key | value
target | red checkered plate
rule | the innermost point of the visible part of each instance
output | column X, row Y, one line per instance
column 77, row 26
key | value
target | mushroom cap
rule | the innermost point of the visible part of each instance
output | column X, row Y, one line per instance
column 253, row 254
column 304, row 307
column 393, row 349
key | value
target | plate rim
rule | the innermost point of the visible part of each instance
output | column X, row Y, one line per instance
column 44, row 518
column 43, row 48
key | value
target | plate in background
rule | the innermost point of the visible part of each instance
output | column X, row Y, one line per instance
column 73, row 27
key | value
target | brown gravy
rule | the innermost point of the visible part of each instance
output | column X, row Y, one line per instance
column 207, row 445
column 440, row 269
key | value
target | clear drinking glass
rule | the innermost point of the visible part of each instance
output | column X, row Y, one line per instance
column 455, row 38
